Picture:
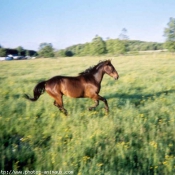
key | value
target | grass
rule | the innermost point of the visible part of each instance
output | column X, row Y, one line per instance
column 136, row 137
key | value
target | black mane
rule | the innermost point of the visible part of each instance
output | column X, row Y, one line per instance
column 90, row 69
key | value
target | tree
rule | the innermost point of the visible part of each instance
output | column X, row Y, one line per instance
column 169, row 33
column 2, row 52
column 119, row 47
column 98, row 46
column 170, row 45
column 46, row 50
column 115, row 46
column 109, row 46
column 27, row 53
column 86, row 49
column 20, row 50
column 60, row 53
column 123, row 35
column 69, row 53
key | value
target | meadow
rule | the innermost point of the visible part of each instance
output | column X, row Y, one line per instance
column 137, row 136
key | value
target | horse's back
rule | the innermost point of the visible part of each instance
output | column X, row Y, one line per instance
column 69, row 86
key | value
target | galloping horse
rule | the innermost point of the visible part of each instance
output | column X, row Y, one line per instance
column 86, row 85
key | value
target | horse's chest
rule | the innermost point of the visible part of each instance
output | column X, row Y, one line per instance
column 91, row 89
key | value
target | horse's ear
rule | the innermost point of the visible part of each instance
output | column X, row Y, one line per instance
column 108, row 62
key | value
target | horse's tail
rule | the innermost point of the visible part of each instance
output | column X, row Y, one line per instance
column 37, row 91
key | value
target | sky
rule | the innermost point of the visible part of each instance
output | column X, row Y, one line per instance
column 28, row 23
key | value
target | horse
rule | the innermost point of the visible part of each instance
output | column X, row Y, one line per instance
column 86, row 85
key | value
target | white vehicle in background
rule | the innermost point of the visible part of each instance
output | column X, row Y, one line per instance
column 29, row 57
column 15, row 57
column 2, row 58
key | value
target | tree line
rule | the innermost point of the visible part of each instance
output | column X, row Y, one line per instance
column 109, row 47
column 95, row 48
column 121, row 45
column 112, row 47
column 20, row 51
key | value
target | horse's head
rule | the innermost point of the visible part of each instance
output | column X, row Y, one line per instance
column 110, row 70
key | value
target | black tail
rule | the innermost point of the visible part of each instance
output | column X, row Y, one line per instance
column 38, row 90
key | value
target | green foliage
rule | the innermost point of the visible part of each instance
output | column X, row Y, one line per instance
column 60, row 53
column 170, row 45
column 27, row 53
column 2, row 52
column 115, row 47
column 81, row 49
column 98, row 46
column 135, row 45
column 136, row 137
column 20, row 49
column 169, row 33
column 110, row 47
column 46, row 50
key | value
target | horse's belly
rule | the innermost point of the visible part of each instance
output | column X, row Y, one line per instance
column 74, row 95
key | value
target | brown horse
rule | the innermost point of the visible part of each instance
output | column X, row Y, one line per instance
column 86, row 85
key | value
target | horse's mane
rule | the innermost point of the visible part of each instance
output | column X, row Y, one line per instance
column 90, row 69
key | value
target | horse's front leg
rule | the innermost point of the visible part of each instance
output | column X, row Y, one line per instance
column 96, row 104
column 97, row 98
column 105, row 102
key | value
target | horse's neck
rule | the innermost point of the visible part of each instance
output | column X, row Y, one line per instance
column 98, row 75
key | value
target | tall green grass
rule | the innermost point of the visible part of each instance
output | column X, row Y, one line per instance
column 136, row 137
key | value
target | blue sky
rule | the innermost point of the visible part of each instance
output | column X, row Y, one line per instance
column 28, row 23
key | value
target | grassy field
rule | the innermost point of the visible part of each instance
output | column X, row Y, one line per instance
column 136, row 137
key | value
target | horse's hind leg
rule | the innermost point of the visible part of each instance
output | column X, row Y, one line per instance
column 59, row 103
column 61, row 108
column 54, row 92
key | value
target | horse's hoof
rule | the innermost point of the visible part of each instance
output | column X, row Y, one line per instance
column 107, row 110
column 66, row 113
column 90, row 109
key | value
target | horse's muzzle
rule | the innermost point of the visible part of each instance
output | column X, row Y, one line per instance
column 116, row 78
